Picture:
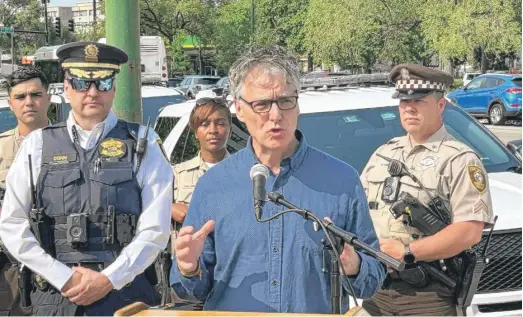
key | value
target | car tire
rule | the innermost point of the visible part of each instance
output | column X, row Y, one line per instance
column 496, row 114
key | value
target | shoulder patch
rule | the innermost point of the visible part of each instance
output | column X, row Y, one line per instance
column 477, row 177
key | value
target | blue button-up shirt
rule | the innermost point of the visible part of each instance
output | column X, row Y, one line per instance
column 276, row 266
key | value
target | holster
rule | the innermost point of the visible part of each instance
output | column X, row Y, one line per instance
column 25, row 287
column 415, row 276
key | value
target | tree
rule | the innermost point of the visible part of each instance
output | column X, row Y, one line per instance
column 358, row 33
column 458, row 29
column 22, row 15
column 233, row 33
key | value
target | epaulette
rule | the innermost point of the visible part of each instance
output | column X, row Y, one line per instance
column 394, row 140
column 188, row 165
column 7, row 133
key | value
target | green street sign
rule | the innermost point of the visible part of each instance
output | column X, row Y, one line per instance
column 6, row 29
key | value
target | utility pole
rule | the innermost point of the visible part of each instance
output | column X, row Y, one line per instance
column 122, row 25
column 94, row 12
column 252, row 22
column 46, row 27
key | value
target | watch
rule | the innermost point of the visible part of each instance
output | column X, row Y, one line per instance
column 408, row 258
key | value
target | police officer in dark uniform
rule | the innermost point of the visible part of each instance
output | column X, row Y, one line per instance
column 99, row 213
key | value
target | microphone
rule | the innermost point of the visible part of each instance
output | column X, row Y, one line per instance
column 259, row 174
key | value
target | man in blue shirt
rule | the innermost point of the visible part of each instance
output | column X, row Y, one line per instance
column 226, row 258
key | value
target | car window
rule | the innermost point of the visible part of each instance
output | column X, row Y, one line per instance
column 164, row 125
column 7, row 120
column 517, row 82
column 186, row 148
column 491, row 82
column 340, row 133
column 476, row 83
column 206, row 81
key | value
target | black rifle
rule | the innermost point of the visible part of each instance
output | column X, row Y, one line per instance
column 474, row 264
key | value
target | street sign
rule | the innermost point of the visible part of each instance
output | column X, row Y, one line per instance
column 6, row 29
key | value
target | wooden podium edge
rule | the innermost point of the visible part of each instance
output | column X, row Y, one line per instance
column 131, row 310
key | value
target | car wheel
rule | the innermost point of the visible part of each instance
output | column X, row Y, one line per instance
column 497, row 114
column 189, row 95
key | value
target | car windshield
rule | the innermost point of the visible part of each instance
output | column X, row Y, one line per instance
column 207, row 81
column 7, row 120
column 517, row 82
column 353, row 135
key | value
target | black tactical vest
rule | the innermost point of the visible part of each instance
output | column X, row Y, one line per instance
column 90, row 197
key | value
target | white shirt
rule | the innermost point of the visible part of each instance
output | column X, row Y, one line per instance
column 153, row 228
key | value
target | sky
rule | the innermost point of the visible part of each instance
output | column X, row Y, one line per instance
column 62, row 3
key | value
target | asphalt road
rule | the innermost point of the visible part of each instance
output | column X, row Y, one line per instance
column 506, row 133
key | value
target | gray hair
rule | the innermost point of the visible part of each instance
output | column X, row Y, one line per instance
column 273, row 60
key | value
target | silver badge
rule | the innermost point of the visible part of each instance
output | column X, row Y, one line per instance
column 428, row 162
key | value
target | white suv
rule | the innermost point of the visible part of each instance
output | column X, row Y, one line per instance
column 351, row 124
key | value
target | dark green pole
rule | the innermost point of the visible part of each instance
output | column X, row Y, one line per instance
column 122, row 27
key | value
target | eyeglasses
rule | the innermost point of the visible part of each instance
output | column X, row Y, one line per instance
column 211, row 101
column 262, row 106
column 84, row 85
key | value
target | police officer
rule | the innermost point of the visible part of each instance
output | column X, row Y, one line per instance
column 102, row 200
column 29, row 101
column 211, row 122
column 448, row 169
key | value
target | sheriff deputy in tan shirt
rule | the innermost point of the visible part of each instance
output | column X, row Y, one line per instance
column 446, row 168
column 29, row 101
column 211, row 122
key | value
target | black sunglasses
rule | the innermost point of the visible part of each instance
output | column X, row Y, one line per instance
column 84, row 85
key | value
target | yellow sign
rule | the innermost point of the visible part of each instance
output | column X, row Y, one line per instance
column 477, row 177
column 112, row 148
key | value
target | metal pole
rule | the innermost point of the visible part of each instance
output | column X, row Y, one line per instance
column 13, row 52
column 94, row 11
column 122, row 25
column 252, row 22
column 46, row 27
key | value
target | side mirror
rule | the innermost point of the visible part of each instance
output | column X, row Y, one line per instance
column 514, row 147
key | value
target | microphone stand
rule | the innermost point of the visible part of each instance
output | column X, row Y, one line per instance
column 351, row 239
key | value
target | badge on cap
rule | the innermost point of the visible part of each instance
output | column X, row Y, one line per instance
column 91, row 53
column 477, row 177
column 405, row 75
column 112, row 148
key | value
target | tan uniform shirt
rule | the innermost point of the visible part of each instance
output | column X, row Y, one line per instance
column 445, row 166
column 186, row 175
column 10, row 142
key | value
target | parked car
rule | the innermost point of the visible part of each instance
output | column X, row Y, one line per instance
column 496, row 97
column 154, row 98
column 191, row 84
column 351, row 124
column 467, row 78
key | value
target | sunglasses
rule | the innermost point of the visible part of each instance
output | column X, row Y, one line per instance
column 84, row 85
column 211, row 101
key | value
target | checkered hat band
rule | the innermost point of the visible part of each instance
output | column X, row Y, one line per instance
column 419, row 84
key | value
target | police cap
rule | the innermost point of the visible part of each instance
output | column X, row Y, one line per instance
column 91, row 60
column 414, row 81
